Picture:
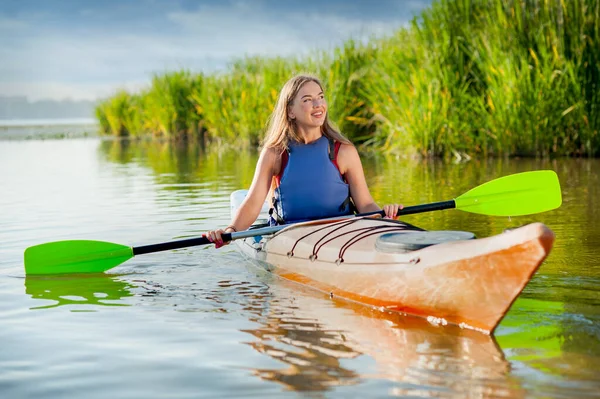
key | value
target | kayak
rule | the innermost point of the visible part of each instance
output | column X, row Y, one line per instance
column 447, row 277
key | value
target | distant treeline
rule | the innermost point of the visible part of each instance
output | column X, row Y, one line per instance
column 19, row 107
column 478, row 77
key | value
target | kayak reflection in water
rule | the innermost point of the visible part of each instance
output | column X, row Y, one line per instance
column 321, row 345
column 311, row 169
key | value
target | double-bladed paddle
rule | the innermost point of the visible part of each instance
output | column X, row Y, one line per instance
column 513, row 195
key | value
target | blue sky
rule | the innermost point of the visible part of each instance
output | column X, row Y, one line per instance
column 88, row 49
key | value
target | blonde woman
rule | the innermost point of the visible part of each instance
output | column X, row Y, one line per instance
column 312, row 170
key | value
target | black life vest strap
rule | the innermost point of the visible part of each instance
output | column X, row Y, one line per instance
column 275, row 216
column 332, row 150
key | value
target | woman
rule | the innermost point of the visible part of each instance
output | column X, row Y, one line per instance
column 311, row 169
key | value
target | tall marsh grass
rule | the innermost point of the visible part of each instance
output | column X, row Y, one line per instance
column 465, row 78
column 235, row 105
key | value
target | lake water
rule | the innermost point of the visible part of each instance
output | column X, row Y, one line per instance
column 200, row 322
column 20, row 129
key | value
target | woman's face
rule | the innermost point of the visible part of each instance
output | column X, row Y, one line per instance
column 309, row 107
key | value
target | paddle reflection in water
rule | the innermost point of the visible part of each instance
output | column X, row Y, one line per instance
column 317, row 339
column 555, row 338
column 80, row 289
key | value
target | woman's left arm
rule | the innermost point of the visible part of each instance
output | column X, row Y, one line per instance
column 351, row 168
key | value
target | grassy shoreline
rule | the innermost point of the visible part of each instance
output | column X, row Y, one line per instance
column 466, row 78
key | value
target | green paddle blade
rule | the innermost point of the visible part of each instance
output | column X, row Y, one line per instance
column 514, row 195
column 75, row 256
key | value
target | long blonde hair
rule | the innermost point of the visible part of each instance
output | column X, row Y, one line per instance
column 281, row 129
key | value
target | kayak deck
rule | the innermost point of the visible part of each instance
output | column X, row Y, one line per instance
column 470, row 283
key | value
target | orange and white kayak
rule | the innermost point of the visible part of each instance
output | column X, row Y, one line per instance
column 443, row 276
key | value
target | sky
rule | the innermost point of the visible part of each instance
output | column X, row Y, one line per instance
column 86, row 50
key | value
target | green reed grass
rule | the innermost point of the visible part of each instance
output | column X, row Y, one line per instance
column 491, row 77
column 235, row 105
column 169, row 109
column 465, row 78
column 345, row 75
column 121, row 115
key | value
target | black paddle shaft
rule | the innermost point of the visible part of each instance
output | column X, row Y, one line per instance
column 409, row 210
column 190, row 242
column 166, row 246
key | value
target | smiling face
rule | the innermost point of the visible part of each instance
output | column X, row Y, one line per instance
column 308, row 108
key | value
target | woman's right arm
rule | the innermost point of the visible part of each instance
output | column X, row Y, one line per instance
column 261, row 184
column 267, row 166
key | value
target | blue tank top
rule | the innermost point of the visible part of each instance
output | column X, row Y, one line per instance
column 311, row 186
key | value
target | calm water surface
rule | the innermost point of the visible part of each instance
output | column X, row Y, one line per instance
column 201, row 322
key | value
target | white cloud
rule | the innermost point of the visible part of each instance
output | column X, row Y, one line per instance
column 59, row 64
column 66, row 91
column 227, row 32
column 12, row 24
column 248, row 29
column 340, row 27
